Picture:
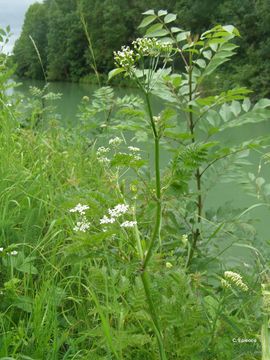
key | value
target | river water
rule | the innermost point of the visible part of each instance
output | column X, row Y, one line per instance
column 72, row 94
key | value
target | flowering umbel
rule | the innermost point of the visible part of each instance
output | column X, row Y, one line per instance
column 126, row 58
column 82, row 224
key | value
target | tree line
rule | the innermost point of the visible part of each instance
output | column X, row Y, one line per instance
column 59, row 30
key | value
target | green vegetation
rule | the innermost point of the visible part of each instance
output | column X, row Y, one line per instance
column 57, row 28
column 106, row 253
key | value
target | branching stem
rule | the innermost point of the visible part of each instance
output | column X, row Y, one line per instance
column 196, row 233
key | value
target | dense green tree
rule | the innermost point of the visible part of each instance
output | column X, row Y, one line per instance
column 36, row 26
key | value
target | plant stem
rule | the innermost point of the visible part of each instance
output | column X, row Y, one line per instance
column 146, row 285
column 88, row 37
column 265, row 337
column 156, row 232
column 196, row 233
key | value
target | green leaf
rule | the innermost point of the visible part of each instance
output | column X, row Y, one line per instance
column 176, row 29
column 231, row 29
column 182, row 36
column 246, row 104
column 115, row 72
column 166, row 40
column 170, row 18
column 225, row 112
column 24, row 303
column 223, row 54
column 236, row 108
column 262, row 104
column 149, row 12
column 255, row 115
column 25, row 265
column 201, row 63
column 207, row 54
column 211, row 305
column 162, row 12
column 158, row 33
column 146, row 21
column 154, row 28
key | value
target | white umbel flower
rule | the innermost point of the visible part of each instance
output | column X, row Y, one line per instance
column 134, row 149
column 128, row 224
column 118, row 210
column 82, row 225
column 102, row 150
column 106, row 220
column 115, row 141
column 80, row 209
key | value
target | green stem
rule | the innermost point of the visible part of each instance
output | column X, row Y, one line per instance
column 146, row 285
column 215, row 320
column 155, row 235
column 156, row 232
column 88, row 37
column 196, row 233
column 265, row 339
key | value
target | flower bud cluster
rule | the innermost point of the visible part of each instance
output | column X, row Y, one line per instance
column 142, row 47
column 124, row 58
column 146, row 46
column 233, row 278
column 151, row 47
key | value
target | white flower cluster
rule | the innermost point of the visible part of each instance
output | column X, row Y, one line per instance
column 128, row 224
column 118, row 210
column 102, row 150
column 151, row 47
column 115, row 141
column 233, row 278
column 115, row 213
column 134, row 152
column 80, row 209
column 83, row 224
column 146, row 46
column 134, row 149
column 103, row 160
column 107, row 220
column 124, row 58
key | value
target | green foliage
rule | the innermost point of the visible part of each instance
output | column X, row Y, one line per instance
column 140, row 268
column 36, row 26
